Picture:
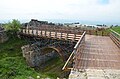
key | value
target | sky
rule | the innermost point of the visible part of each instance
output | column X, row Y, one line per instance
column 83, row 11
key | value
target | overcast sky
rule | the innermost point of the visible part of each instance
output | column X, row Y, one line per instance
column 104, row 11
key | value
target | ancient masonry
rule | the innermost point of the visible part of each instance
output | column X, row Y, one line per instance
column 34, row 58
column 3, row 36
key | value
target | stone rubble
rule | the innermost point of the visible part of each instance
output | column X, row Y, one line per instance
column 95, row 74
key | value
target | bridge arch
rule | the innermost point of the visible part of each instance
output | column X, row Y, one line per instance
column 61, row 53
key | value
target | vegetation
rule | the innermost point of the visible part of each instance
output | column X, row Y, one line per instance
column 12, row 27
column 13, row 65
column 117, row 29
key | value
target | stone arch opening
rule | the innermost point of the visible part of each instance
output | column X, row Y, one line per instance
column 58, row 50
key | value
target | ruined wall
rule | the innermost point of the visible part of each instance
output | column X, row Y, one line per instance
column 33, row 58
column 3, row 36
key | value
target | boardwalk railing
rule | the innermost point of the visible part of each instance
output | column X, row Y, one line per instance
column 115, row 37
column 78, row 48
column 98, row 32
column 51, row 34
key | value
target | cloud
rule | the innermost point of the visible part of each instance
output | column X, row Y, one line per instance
column 93, row 10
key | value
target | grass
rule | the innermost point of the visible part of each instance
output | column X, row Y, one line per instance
column 54, row 70
column 105, row 32
column 117, row 29
column 13, row 65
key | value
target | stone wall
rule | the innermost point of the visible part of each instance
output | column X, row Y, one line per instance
column 3, row 36
column 33, row 58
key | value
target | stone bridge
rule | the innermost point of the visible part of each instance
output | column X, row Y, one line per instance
column 44, row 44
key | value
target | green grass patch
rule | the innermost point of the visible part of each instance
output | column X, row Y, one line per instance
column 13, row 65
column 117, row 29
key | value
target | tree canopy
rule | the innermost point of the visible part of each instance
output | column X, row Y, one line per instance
column 12, row 28
column 14, row 25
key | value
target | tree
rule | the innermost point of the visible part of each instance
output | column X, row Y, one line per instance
column 13, row 27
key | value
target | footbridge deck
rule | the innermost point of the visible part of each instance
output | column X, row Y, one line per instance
column 100, row 52
column 97, row 58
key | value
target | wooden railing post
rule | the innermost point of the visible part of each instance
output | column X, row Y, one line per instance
column 37, row 32
column 32, row 31
column 45, row 33
column 96, row 32
column 41, row 33
column 55, row 34
column 50, row 34
column 28, row 31
column 90, row 32
column 102, row 33
column 25, row 30
column 61, row 35
column 74, row 37
column 66, row 36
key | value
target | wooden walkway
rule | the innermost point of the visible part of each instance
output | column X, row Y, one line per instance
column 100, row 52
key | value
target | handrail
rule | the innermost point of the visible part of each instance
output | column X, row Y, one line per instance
column 49, row 34
column 56, row 30
column 79, row 41
column 74, row 51
column 115, row 37
column 64, row 67
column 115, row 32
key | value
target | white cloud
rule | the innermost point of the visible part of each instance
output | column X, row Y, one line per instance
column 91, row 10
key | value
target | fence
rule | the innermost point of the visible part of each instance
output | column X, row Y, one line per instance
column 57, row 34
column 97, row 32
column 115, row 37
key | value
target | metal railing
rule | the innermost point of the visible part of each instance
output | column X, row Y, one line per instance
column 115, row 37
column 77, row 48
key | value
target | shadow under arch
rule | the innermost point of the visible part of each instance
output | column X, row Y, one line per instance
column 58, row 50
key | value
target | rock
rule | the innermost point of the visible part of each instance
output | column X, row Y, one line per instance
column 38, row 77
